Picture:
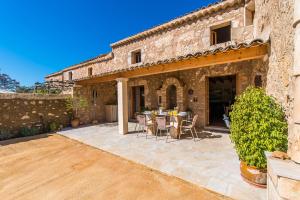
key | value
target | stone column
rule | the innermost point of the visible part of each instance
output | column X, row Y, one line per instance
column 294, row 137
column 122, row 105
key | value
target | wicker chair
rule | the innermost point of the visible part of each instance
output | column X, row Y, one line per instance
column 162, row 126
column 143, row 125
column 189, row 126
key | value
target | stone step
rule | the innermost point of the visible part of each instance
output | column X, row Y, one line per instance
column 216, row 129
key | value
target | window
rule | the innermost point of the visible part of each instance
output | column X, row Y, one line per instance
column 70, row 76
column 258, row 81
column 221, row 34
column 159, row 100
column 94, row 96
column 90, row 71
column 136, row 57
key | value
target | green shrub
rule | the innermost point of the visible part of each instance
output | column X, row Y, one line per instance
column 258, row 124
column 74, row 104
column 5, row 134
column 25, row 131
column 53, row 126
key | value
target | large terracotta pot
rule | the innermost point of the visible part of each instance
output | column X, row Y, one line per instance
column 75, row 123
column 254, row 175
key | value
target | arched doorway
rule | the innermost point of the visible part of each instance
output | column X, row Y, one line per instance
column 171, row 94
column 171, row 97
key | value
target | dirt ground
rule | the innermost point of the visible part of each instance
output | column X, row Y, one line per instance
column 54, row 167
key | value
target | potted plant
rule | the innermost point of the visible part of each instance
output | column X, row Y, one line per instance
column 73, row 105
column 258, row 124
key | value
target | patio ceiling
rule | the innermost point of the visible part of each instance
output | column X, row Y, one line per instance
column 233, row 53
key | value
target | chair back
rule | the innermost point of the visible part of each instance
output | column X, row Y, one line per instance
column 173, row 119
column 161, row 122
column 194, row 120
column 141, row 120
column 148, row 117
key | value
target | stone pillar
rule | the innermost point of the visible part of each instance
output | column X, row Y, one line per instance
column 122, row 105
column 294, row 137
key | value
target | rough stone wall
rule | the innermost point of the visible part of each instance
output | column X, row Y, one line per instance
column 184, row 39
column 56, row 77
column 28, row 110
column 196, row 80
column 106, row 95
column 274, row 21
column 283, row 179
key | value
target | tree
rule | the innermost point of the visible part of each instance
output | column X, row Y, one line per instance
column 25, row 89
column 7, row 83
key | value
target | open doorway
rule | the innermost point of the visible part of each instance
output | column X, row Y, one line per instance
column 222, row 91
column 138, row 99
column 171, row 97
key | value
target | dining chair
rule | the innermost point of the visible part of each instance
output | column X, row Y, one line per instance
column 161, row 123
column 189, row 126
column 143, row 125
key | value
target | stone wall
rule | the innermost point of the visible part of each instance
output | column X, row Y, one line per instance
column 189, row 37
column 196, row 80
column 283, row 179
column 274, row 21
column 97, row 96
column 156, row 85
column 29, row 110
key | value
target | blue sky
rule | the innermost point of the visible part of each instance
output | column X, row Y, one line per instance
column 40, row 37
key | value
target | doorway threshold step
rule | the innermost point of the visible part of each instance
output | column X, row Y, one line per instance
column 217, row 129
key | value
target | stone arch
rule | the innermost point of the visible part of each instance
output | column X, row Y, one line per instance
column 179, row 92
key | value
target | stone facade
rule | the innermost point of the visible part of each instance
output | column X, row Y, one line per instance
column 28, row 110
column 294, row 147
column 273, row 18
column 156, row 85
column 275, row 22
column 187, row 37
column 106, row 95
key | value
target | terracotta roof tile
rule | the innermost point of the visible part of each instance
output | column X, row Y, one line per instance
column 256, row 42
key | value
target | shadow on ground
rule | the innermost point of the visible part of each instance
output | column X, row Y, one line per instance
column 23, row 139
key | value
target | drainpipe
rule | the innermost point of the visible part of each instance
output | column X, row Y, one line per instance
column 294, row 139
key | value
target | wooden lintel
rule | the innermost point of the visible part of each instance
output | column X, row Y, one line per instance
column 255, row 52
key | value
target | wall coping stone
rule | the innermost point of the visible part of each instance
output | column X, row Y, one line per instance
column 33, row 96
column 283, row 168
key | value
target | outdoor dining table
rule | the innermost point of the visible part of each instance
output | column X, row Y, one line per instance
column 174, row 120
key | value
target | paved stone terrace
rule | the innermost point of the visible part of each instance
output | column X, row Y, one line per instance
column 210, row 162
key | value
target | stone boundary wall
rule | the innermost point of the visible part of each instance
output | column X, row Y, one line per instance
column 18, row 111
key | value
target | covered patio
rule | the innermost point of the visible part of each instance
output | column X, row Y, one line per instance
column 210, row 162
column 204, row 84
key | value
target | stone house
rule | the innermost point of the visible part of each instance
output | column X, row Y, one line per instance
column 199, row 62
column 183, row 63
